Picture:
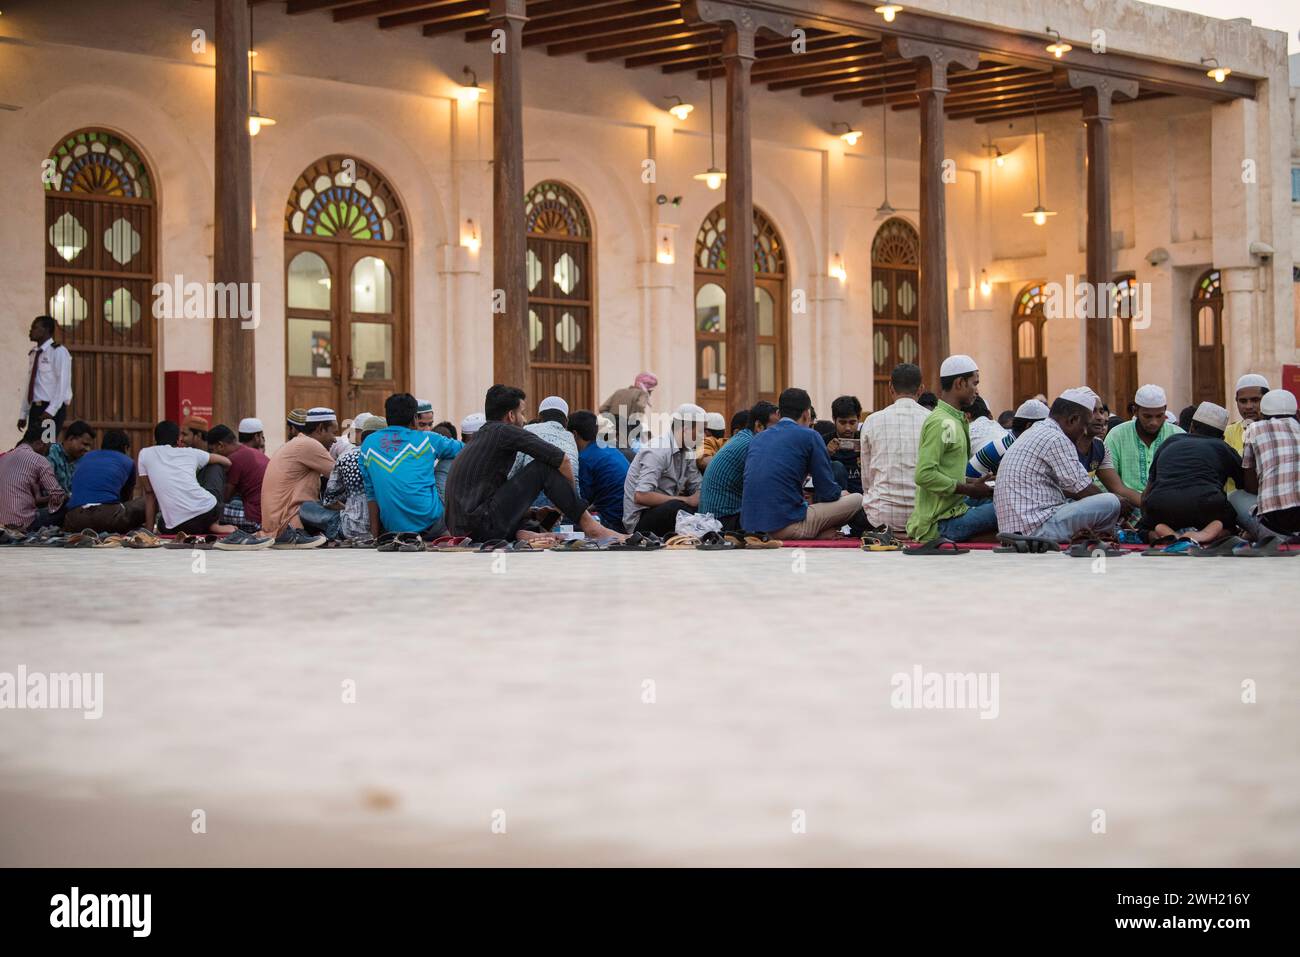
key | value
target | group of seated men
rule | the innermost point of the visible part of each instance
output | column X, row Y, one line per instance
column 1057, row 472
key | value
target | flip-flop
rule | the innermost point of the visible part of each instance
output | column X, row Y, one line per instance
column 1025, row 544
column 636, row 542
column 1223, row 548
column 736, row 538
column 1089, row 548
column 1180, row 548
column 82, row 539
column 760, row 540
column 879, row 540
column 107, row 540
column 936, row 546
column 682, row 541
column 452, row 543
column 578, row 545
column 1269, row 548
column 141, row 538
column 526, row 545
column 494, row 545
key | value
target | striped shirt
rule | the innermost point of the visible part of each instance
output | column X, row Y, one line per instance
column 26, row 475
column 1272, row 449
column 1036, row 474
column 989, row 456
column 724, row 480
column 890, row 441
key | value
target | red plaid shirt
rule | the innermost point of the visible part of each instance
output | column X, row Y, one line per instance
column 1272, row 449
column 25, row 475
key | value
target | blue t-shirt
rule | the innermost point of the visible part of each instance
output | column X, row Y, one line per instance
column 101, row 478
column 601, row 474
column 397, row 466
column 779, row 459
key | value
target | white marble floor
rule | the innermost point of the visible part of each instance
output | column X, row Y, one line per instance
column 669, row 708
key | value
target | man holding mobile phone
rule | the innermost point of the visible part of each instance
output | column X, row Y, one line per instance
column 846, row 446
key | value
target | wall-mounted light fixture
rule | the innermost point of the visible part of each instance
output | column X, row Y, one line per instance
column 255, row 119
column 1058, row 47
column 470, row 238
column 986, row 286
column 681, row 109
column 664, row 245
column 850, row 135
column 469, row 90
column 889, row 11
column 837, row 268
column 1215, row 72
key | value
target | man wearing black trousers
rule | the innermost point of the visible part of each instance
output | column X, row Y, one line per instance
column 663, row 479
column 486, row 505
column 49, row 379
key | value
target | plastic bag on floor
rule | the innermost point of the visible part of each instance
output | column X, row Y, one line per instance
column 694, row 523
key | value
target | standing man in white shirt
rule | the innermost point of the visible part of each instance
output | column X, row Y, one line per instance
column 48, row 389
column 890, row 440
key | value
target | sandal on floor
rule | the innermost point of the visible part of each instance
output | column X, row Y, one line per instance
column 1269, row 548
column 1088, row 548
column 141, row 538
column 760, row 540
column 882, row 537
column 399, row 542
column 1223, row 548
column 936, row 546
column 1025, row 544
column 494, row 545
column 578, row 545
column 452, row 543
column 736, row 538
column 108, row 540
column 1180, row 547
column 82, row 539
column 714, row 542
column 682, row 541
column 636, row 542
column 526, row 545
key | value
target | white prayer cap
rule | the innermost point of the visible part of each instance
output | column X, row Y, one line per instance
column 957, row 365
column 1151, row 397
column 1033, row 409
column 1215, row 416
column 320, row 414
column 1082, row 396
column 554, row 402
column 365, row 422
column 1278, row 402
column 1251, row 380
column 472, row 423
column 250, row 426
column 1170, row 417
column 688, row 412
column 716, row 421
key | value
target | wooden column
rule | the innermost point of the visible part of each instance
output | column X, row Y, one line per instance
column 1098, row 341
column 739, row 27
column 509, row 244
column 932, row 62
column 234, row 388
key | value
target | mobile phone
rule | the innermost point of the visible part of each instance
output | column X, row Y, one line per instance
column 850, row 445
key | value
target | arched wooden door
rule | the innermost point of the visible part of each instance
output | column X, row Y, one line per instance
column 1207, row 340
column 770, row 318
column 100, row 270
column 1124, row 305
column 895, row 322
column 561, row 325
column 1028, row 346
column 347, row 318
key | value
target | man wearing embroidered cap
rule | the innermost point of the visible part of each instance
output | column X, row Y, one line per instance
column 291, row 485
column 252, row 434
column 1250, row 392
column 942, row 487
column 424, row 416
column 1271, row 468
column 1043, row 490
column 1184, row 494
column 1133, row 444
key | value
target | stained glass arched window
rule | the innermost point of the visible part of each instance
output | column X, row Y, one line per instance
column 896, row 244
column 552, row 209
column 895, row 294
column 340, row 197
column 1029, row 298
column 97, row 163
column 711, row 244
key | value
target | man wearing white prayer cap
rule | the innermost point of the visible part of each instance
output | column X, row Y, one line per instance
column 471, row 424
column 715, row 435
column 252, row 434
column 1250, row 391
column 942, row 488
column 663, row 478
column 1185, row 497
column 1133, row 444
column 552, row 425
column 1043, row 490
column 1269, row 501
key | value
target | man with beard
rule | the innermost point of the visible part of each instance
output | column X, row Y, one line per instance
column 1133, row 444
column 942, row 487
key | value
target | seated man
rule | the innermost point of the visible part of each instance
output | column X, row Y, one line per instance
column 942, row 489
column 778, row 461
column 347, row 486
column 169, row 479
column 1249, row 395
column 244, row 477
column 252, row 434
column 102, row 488
column 722, row 491
column 485, row 504
column 603, row 470
column 715, row 435
column 662, row 479
column 423, row 417
column 982, row 427
column 291, row 485
column 846, row 411
column 891, row 438
column 78, row 439
column 470, row 425
column 1186, row 479
column 1271, row 468
column 397, row 467
column 1043, row 490
column 1133, row 444
column 1096, row 459
column 986, row 459
column 30, row 495
column 552, row 425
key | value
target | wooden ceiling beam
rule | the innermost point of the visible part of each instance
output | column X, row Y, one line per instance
column 378, row 8
column 1043, row 104
column 673, row 31
column 442, row 13
column 311, row 6
column 596, row 26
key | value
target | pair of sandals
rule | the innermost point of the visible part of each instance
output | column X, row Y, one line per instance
column 637, row 542
column 708, row 542
column 880, row 540
column 1229, row 547
column 204, row 542
column 518, row 545
column 400, row 542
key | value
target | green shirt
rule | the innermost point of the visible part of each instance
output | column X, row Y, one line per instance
column 940, row 465
column 1132, row 456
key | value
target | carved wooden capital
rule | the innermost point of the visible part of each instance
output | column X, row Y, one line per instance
column 1098, row 91
column 740, row 24
column 507, row 9
column 933, row 60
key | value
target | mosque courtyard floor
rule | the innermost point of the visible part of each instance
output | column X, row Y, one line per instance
column 668, row 708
